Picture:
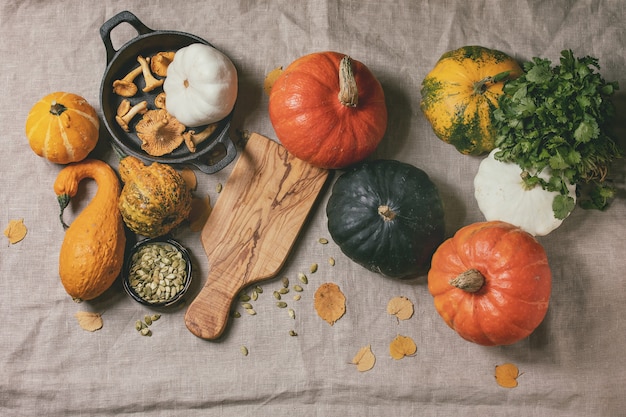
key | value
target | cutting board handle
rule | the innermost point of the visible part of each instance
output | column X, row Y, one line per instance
column 207, row 316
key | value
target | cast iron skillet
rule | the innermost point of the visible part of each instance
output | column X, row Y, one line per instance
column 213, row 154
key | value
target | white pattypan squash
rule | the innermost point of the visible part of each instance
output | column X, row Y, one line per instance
column 501, row 194
column 201, row 85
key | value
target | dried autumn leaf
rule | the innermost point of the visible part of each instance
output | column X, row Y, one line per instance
column 89, row 321
column 364, row 359
column 329, row 302
column 506, row 375
column 200, row 211
column 402, row 346
column 271, row 78
column 401, row 307
column 190, row 178
column 15, row 231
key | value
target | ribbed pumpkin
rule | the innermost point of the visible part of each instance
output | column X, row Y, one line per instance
column 62, row 127
column 92, row 251
column 491, row 283
column 461, row 92
column 155, row 198
column 328, row 109
column 387, row 216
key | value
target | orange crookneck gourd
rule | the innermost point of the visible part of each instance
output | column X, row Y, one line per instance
column 92, row 252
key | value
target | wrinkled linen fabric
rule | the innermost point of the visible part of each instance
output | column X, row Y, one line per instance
column 572, row 365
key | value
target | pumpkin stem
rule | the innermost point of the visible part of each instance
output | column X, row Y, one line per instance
column 481, row 86
column 64, row 201
column 470, row 281
column 57, row 108
column 386, row 213
column 348, row 91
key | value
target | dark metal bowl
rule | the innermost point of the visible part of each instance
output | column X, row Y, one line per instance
column 213, row 154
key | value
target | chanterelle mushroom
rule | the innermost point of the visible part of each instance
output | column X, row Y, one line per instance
column 160, row 61
column 193, row 139
column 126, row 86
column 124, row 121
column 160, row 132
column 151, row 81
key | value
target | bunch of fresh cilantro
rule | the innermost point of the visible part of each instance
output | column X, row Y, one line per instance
column 558, row 118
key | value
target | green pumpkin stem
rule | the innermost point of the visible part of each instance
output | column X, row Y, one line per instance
column 64, row 201
column 348, row 91
column 470, row 281
column 481, row 86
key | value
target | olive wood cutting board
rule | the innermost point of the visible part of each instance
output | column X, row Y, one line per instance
column 252, row 228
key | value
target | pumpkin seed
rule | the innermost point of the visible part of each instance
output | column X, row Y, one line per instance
column 281, row 304
column 146, row 332
column 298, row 288
column 277, row 295
column 283, row 291
column 313, row 268
column 244, row 297
column 250, row 311
column 285, row 282
column 292, row 333
column 147, row 320
column 323, row 241
column 296, row 297
column 254, row 295
column 292, row 313
column 138, row 325
column 236, row 314
column 244, row 350
column 303, row 278
column 247, row 306
column 258, row 289
column 331, row 261
column 219, row 187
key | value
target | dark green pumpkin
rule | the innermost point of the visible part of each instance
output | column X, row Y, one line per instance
column 387, row 216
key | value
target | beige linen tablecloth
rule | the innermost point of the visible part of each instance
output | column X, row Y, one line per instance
column 572, row 365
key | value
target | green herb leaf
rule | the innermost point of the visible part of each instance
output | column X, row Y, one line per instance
column 558, row 117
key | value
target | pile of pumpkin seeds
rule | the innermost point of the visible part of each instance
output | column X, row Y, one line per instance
column 158, row 272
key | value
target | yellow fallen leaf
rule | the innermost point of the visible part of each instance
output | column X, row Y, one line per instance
column 402, row 346
column 190, row 178
column 329, row 302
column 200, row 212
column 364, row 359
column 506, row 375
column 15, row 231
column 89, row 321
column 271, row 78
column 401, row 307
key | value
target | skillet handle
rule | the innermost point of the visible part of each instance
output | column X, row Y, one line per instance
column 222, row 148
column 112, row 23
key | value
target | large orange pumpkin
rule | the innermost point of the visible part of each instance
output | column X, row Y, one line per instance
column 328, row 109
column 491, row 283
column 62, row 127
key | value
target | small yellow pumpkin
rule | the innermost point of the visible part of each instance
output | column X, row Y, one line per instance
column 92, row 251
column 62, row 128
column 155, row 198
column 460, row 94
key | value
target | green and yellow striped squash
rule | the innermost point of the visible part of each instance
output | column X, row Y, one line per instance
column 461, row 92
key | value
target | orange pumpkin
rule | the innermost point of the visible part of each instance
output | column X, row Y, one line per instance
column 491, row 283
column 328, row 110
column 62, row 128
